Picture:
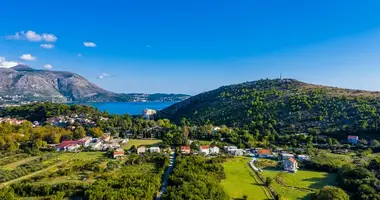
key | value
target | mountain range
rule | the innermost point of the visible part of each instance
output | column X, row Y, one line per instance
column 22, row 83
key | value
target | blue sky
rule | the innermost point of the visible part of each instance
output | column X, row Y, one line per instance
column 194, row 46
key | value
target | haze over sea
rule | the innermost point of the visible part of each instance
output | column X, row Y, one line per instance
column 131, row 108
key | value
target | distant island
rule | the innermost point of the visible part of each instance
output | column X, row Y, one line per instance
column 22, row 84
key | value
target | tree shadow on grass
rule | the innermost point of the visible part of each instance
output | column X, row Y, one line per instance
column 318, row 182
column 257, row 184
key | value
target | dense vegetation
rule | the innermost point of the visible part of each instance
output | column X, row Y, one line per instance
column 195, row 177
column 138, row 177
column 283, row 106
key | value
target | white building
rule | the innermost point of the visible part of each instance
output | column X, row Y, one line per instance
column 86, row 141
column 204, row 149
column 237, row 152
column 303, row 157
column 214, row 150
column 148, row 113
column 141, row 150
column 154, row 149
column 97, row 145
column 229, row 148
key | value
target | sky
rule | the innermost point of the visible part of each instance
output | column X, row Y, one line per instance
column 178, row 46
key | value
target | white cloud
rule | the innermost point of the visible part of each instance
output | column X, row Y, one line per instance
column 48, row 66
column 101, row 76
column 89, row 44
column 33, row 36
column 27, row 57
column 47, row 46
column 79, row 55
column 16, row 36
column 7, row 64
column 48, row 37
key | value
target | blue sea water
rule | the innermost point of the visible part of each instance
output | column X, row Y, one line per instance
column 131, row 108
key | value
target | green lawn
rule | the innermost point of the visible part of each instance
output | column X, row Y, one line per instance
column 240, row 180
column 12, row 166
column 310, row 180
column 137, row 143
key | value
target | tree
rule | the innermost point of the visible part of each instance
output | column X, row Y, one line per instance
column 268, row 181
column 7, row 194
column 96, row 132
column 330, row 193
column 79, row 133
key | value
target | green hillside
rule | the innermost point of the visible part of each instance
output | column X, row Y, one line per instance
column 283, row 106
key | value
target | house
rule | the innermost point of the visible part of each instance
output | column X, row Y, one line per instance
column 286, row 156
column 72, row 147
column 148, row 113
column 237, row 152
column 353, row 139
column 214, row 150
column 86, row 141
column 185, row 149
column 264, row 153
column 204, row 149
column 68, row 145
column 154, row 149
column 303, row 158
column 96, row 145
column 141, row 150
column 229, row 148
column 106, row 137
column 290, row 165
column 118, row 153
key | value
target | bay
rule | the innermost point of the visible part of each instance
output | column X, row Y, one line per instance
column 131, row 108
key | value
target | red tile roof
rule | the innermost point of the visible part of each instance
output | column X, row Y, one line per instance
column 205, row 147
column 69, row 143
column 264, row 151
column 117, row 153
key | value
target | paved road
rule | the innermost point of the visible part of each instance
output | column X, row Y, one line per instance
column 166, row 176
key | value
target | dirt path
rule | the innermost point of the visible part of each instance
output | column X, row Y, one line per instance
column 35, row 173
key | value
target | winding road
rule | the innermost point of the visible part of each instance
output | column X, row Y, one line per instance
column 166, row 176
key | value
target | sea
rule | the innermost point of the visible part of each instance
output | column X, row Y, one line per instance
column 131, row 108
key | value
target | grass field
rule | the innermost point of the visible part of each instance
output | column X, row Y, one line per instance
column 308, row 180
column 12, row 166
column 137, row 143
column 86, row 156
column 240, row 180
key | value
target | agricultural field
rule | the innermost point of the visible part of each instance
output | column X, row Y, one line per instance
column 297, row 185
column 72, row 174
column 137, row 143
column 241, row 180
column 13, row 165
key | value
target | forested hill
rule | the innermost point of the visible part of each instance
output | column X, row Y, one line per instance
column 283, row 106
